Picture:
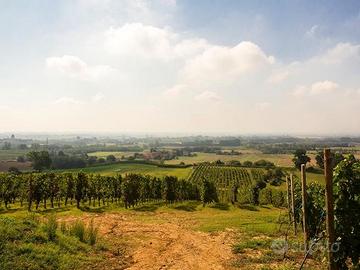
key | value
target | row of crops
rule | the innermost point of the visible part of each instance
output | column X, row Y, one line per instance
column 228, row 180
column 207, row 183
column 58, row 189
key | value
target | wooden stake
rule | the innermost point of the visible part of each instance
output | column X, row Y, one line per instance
column 328, row 170
column 293, row 202
column 304, row 200
column 288, row 196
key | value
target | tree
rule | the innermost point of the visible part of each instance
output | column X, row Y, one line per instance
column 6, row 146
column 111, row 158
column 80, row 187
column 247, row 163
column 20, row 159
column 336, row 158
column 208, row 192
column 40, row 160
column 255, row 192
column 300, row 158
column 22, row 146
column 169, row 189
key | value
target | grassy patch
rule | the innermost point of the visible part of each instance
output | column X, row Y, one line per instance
column 148, row 169
column 26, row 243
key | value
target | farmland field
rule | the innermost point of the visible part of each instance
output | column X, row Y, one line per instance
column 118, row 155
column 11, row 154
column 148, row 169
column 283, row 160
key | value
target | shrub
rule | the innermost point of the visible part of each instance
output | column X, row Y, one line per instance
column 63, row 227
column 78, row 230
column 92, row 233
column 278, row 198
column 266, row 196
column 50, row 228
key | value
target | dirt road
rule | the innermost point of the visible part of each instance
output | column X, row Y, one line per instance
column 169, row 243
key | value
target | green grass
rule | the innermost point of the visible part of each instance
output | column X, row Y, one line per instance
column 252, row 220
column 148, row 169
column 103, row 154
column 24, row 244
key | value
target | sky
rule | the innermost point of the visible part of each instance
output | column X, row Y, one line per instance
column 205, row 66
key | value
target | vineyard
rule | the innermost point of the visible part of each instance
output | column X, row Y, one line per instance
column 38, row 189
column 228, row 180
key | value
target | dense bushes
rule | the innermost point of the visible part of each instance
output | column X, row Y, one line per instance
column 347, row 211
column 273, row 196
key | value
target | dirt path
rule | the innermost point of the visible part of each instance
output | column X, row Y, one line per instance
column 168, row 243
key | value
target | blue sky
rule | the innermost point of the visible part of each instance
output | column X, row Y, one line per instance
column 180, row 66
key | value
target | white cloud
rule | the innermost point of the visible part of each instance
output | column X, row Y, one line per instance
column 317, row 88
column 98, row 97
column 208, row 96
column 278, row 77
column 341, row 52
column 171, row 3
column 175, row 91
column 312, row 31
column 137, row 39
column 73, row 66
column 323, row 87
column 262, row 106
column 221, row 63
column 67, row 101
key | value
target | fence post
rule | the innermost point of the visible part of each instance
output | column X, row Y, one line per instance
column 328, row 171
column 304, row 201
column 293, row 202
column 288, row 191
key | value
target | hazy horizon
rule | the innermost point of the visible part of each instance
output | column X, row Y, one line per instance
column 180, row 67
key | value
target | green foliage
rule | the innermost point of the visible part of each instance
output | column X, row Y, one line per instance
column 278, row 198
column 169, row 188
column 315, row 209
column 208, row 193
column 336, row 158
column 92, row 232
column 255, row 191
column 40, row 160
column 51, row 227
column 25, row 245
column 77, row 229
column 266, row 196
column 347, row 211
column 80, row 187
column 111, row 158
column 300, row 158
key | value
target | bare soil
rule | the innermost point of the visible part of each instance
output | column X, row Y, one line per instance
column 169, row 243
column 5, row 165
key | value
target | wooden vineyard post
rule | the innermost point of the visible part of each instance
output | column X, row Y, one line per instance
column 288, row 192
column 293, row 202
column 329, row 207
column 304, row 201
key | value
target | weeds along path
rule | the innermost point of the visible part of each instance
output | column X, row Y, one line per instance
column 165, row 241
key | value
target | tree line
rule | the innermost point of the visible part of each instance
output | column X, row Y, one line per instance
column 60, row 189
